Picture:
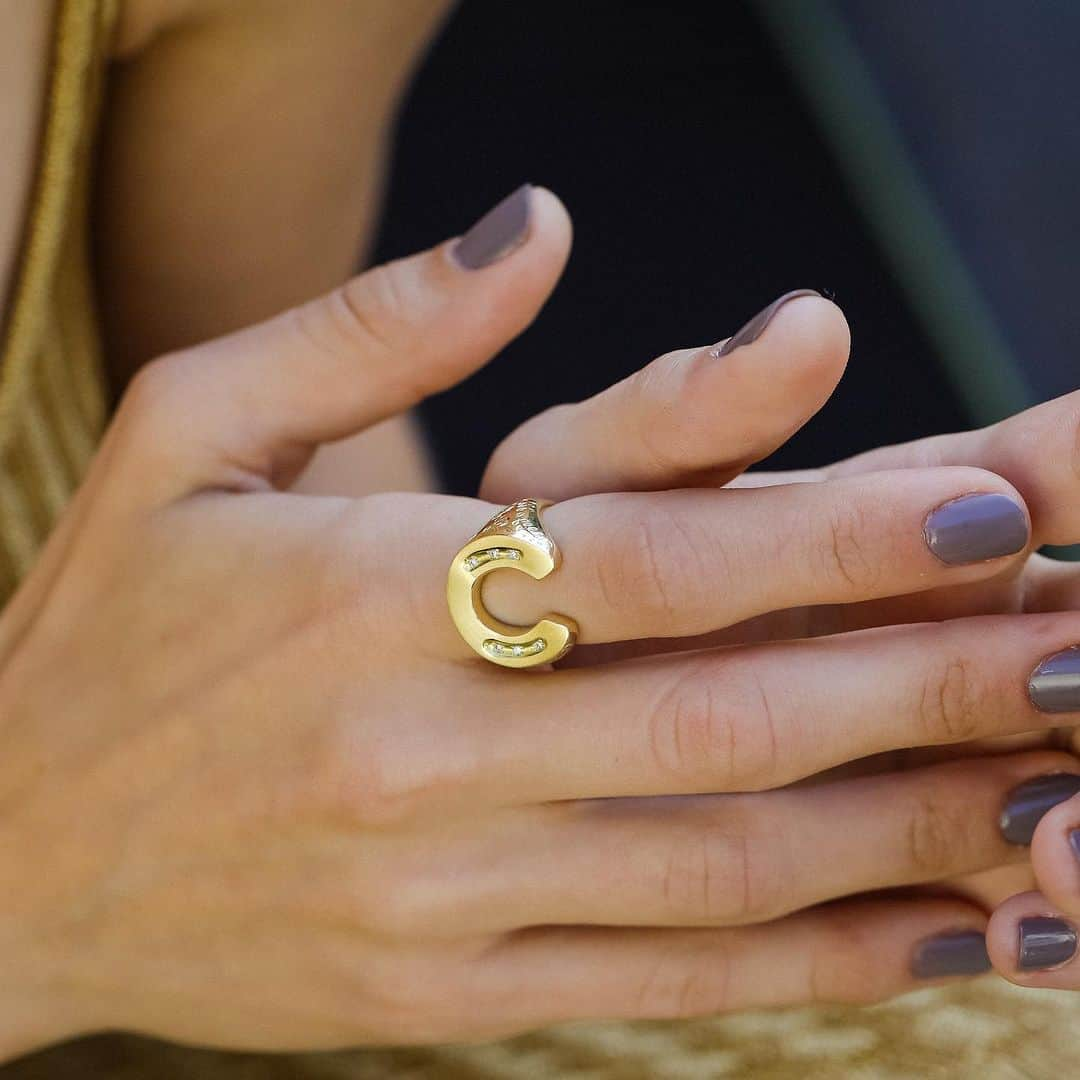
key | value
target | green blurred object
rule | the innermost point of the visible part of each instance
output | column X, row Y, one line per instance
column 1068, row 553
column 888, row 188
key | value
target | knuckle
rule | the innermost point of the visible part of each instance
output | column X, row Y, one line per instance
column 378, row 315
column 405, row 996
column 152, row 392
column 690, row 736
column 390, row 781
column 374, row 309
column 358, row 575
column 652, row 568
column 841, row 969
column 401, row 908
column 379, row 794
column 716, row 728
column 935, row 838
column 706, row 877
column 663, row 431
column 684, row 982
column 150, row 427
column 846, row 555
column 950, row 707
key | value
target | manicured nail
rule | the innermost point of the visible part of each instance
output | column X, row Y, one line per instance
column 975, row 528
column 498, row 232
column 1054, row 685
column 1045, row 942
column 959, row 952
column 1074, row 843
column 1027, row 804
column 756, row 326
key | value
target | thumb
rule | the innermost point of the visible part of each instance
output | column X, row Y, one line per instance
column 250, row 409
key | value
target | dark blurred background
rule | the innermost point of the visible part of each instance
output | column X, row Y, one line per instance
column 700, row 188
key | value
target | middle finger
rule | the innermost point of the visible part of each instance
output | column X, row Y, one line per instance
column 682, row 563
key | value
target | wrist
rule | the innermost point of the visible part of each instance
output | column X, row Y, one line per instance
column 39, row 1000
column 29, row 1020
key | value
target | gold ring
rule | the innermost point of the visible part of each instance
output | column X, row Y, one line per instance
column 514, row 539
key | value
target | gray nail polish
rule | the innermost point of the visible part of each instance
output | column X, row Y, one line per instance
column 959, row 952
column 498, row 232
column 1074, row 843
column 1045, row 942
column 975, row 528
column 1054, row 685
column 1027, row 804
column 756, row 326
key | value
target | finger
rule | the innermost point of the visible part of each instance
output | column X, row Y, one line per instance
column 758, row 717
column 680, row 563
column 772, row 478
column 249, row 409
column 852, row 953
column 690, row 418
column 1032, row 943
column 1038, row 451
column 1055, row 854
column 728, row 860
column 1051, row 585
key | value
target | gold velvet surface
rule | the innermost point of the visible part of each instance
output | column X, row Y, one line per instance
column 52, row 394
column 52, row 411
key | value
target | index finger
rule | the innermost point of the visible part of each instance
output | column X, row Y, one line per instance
column 691, row 416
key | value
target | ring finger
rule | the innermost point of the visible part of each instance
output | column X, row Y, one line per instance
column 682, row 563
column 735, row 859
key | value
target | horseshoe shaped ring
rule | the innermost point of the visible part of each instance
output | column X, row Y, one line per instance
column 514, row 539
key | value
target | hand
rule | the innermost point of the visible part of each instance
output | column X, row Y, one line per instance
column 257, row 793
column 695, row 418
column 701, row 416
column 1032, row 937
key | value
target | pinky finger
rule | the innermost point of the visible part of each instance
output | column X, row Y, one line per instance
column 1032, row 943
column 856, row 952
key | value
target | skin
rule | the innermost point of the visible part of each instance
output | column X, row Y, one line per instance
column 216, row 81
column 330, row 726
column 342, row 746
column 1057, row 872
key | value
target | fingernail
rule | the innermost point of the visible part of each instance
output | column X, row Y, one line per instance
column 1027, row 804
column 1074, row 843
column 959, row 952
column 498, row 232
column 1045, row 942
column 1054, row 685
column 756, row 326
column 975, row 528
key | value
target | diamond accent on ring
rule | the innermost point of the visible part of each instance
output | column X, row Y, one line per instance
column 479, row 558
column 502, row 650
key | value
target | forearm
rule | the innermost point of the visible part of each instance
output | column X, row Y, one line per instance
column 241, row 174
column 242, row 160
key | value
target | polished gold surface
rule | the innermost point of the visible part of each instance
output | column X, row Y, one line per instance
column 514, row 539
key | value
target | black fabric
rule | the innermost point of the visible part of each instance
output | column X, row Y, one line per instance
column 986, row 99
column 700, row 191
